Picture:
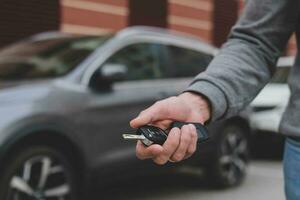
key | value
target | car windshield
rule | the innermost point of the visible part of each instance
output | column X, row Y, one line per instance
column 281, row 75
column 45, row 58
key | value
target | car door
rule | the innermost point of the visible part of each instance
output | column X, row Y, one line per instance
column 111, row 108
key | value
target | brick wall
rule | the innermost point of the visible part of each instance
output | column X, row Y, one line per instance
column 93, row 17
column 150, row 13
column 225, row 16
column 209, row 20
column 106, row 16
column 192, row 16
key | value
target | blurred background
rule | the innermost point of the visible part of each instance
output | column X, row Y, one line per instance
column 62, row 40
column 209, row 20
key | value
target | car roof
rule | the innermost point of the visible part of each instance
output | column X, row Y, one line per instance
column 165, row 35
column 171, row 36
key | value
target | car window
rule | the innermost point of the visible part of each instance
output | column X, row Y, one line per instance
column 46, row 58
column 186, row 62
column 140, row 61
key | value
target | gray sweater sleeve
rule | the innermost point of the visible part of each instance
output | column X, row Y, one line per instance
column 247, row 60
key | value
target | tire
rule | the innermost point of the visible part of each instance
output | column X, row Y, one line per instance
column 229, row 164
column 38, row 173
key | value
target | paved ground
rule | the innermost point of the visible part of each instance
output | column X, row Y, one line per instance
column 264, row 182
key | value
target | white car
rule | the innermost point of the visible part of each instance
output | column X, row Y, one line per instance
column 267, row 108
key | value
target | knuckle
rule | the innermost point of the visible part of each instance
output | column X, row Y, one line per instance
column 177, row 157
column 139, row 156
column 172, row 98
column 192, row 126
column 185, row 127
column 158, row 103
column 155, row 153
column 176, row 130
column 159, row 161
column 142, row 112
column 191, row 151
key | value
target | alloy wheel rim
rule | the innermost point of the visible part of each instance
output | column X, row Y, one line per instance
column 233, row 159
column 39, row 178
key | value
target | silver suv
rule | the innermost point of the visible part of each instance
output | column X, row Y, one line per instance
column 66, row 100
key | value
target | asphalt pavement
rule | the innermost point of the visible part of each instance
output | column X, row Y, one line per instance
column 264, row 181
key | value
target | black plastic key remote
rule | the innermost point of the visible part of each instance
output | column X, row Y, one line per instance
column 154, row 135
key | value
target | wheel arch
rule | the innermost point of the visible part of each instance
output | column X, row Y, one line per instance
column 212, row 167
column 49, row 137
column 215, row 127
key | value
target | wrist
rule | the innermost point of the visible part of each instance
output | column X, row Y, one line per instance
column 199, row 104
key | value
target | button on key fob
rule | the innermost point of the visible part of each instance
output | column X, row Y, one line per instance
column 149, row 135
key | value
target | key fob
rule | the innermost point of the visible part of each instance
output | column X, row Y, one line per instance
column 153, row 135
column 156, row 135
column 202, row 132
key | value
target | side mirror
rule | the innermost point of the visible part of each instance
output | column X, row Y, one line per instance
column 113, row 72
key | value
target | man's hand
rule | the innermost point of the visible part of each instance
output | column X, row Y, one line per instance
column 181, row 143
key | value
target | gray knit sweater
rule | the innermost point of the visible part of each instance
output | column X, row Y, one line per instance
column 247, row 61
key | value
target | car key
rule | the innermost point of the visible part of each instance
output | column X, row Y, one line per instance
column 149, row 135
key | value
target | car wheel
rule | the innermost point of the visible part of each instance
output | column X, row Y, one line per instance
column 231, row 158
column 38, row 173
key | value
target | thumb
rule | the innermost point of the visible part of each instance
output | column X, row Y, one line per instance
column 157, row 111
column 140, row 120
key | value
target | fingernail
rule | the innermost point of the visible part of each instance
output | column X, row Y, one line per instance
column 176, row 129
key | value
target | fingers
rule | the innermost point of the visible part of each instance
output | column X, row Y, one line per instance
column 193, row 144
column 185, row 140
column 170, row 146
column 180, row 144
column 143, row 152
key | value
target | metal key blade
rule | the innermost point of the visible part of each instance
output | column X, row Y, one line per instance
column 133, row 137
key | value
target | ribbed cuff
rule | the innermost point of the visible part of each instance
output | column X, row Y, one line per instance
column 214, row 94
